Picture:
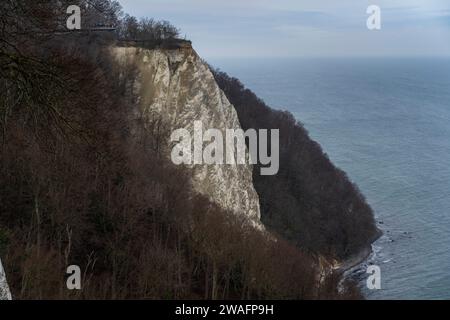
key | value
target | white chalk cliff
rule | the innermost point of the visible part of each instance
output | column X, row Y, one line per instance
column 5, row 294
column 176, row 87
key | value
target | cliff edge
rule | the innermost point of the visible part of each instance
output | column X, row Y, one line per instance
column 5, row 294
column 174, row 87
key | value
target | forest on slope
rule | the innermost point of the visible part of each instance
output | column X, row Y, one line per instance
column 310, row 202
column 81, row 184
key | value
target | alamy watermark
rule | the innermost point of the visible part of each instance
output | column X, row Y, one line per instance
column 230, row 150
column 374, row 20
column 74, row 20
column 74, row 279
column 373, row 281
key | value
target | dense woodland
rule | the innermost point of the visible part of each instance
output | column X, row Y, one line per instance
column 81, row 184
column 309, row 202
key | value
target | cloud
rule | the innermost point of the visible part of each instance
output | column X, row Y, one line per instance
column 304, row 27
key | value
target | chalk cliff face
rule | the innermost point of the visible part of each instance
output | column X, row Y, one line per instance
column 4, row 289
column 175, row 88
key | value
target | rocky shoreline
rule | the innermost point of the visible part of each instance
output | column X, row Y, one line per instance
column 355, row 260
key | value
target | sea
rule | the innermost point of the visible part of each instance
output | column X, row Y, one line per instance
column 386, row 122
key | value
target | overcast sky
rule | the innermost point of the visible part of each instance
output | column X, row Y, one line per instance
column 280, row 28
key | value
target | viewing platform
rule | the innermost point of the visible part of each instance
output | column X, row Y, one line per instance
column 157, row 43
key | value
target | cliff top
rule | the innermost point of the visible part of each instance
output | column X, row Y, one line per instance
column 157, row 43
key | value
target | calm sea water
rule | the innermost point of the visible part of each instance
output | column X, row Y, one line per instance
column 386, row 122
